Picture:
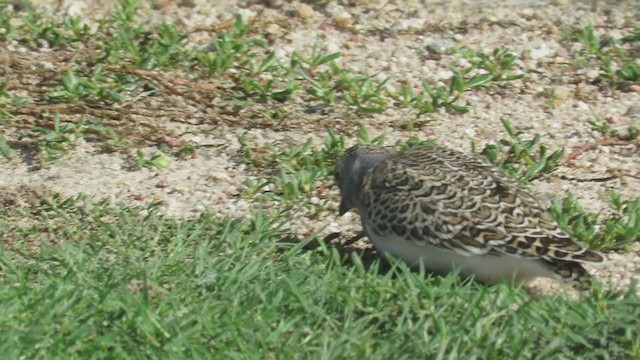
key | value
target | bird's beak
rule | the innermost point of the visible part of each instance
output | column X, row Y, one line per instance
column 344, row 208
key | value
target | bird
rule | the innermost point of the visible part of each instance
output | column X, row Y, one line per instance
column 451, row 211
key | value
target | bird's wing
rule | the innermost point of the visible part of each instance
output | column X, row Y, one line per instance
column 455, row 201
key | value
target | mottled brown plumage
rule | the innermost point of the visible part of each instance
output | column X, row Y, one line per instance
column 446, row 200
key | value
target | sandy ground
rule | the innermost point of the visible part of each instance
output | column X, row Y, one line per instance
column 405, row 41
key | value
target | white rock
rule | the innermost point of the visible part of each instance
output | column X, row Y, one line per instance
column 541, row 52
column 593, row 74
column 303, row 11
column 273, row 29
column 77, row 8
column 247, row 14
column 339, row 15
column 443, row 74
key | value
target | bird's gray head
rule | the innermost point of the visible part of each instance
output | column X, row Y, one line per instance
column 350, row 173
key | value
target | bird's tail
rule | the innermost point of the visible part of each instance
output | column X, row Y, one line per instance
column 573, row 272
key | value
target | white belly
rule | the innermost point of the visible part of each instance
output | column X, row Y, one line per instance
column 486, row 268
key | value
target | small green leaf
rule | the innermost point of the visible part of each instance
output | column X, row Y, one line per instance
column 507, row 126
column 371, row 109
column 327, row 58
column 458, row 108
column 427, row 88
column 457, row 83
column 5, row 150
column 534, row 170
column 479, row 80
column 159, row 161
column 512, row 77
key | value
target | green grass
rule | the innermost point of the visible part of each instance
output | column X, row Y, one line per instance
column 95, row 281
column 157, row 161
column 616, row 58
column 525, row 160
column 83, row 279
column 600, row 125
column 613, row 232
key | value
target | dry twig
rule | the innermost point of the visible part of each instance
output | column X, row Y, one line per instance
column 608, row 141
column 167, row 83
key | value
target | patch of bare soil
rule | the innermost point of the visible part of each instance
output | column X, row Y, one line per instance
column 23, row 196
